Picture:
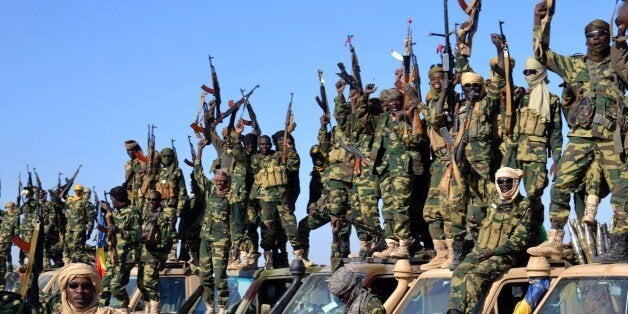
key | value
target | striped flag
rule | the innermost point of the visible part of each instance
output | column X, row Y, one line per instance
column 101, row 266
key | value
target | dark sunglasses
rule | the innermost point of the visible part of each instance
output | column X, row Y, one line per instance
column 528, row 72
column 505, row 180
column 472, row 85
column 599, row 32
column 85, row 286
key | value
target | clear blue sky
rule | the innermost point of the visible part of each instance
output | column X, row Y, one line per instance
column 78, row 78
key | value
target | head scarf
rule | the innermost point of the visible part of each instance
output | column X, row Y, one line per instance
column 539, row 92
column 435, row 69
column 470, row 78
column 507, row 172
column 131, row 144
column 597, row 24
column 223, row 174
column 72, row 271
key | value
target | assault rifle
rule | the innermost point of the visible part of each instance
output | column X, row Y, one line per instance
column 355, row 64
column 375, row 232
column 465, row 130
column 348, row 78
column 62, row 190
column 289, row 121
column 110, row 230
column 216, row 87
column 30, row 285
column 233, row 107
column 256, row 128
column 353, row 151
column 18, row 201
column 322, row 100
column 192, row 153
column 508, row 121
column 176, row 156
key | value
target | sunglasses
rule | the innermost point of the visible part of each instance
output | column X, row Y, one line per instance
column 505, row 180
column 528, row 72
column 472, row 85
column 85, row 286
column 599, row 32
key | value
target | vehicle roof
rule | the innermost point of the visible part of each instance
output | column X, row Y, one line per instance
column 596, row 270
column 281, row 272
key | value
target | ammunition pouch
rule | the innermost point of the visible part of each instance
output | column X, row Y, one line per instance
column 604, row 121
column 272, row 176
column 166, row 189
column 337, row 154
column 531, row 123
column 581, row 113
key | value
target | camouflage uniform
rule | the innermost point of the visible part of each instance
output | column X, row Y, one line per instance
column 154, row 250
column 215, row 241
column 358, row 300
column 394, row 159
column 504, row 230
column 27, row 223
column 9, row 226
column 588, row 140
column 134, row 179
column 54, row 238
column 313, row 220
column 537, row 138
column 79, row 212
column 127, row 235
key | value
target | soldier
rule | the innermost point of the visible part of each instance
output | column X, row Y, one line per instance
column 157, row 237
column 171, row 185
column 215, row 241
column 27, row 224
column 79, row 225
column 53, row 238
column 538, row 136
column 270, row 177
column 9, row 227
column 501, row 240
column 593, row 121
column 127, row 232
column 133, row 171
column 252, row 209
column 347, row 285
column 392, row 161
column 438, row 115
column 190, row 224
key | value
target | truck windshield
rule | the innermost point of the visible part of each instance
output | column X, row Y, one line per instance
column 588, row 295
column 427, row 296
column 314, row 297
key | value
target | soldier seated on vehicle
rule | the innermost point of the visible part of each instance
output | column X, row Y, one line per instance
column 501, row 239
column 80, row 286
column 347, row 285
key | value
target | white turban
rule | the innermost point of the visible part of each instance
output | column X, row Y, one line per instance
column 539, row 92
column 507, row 172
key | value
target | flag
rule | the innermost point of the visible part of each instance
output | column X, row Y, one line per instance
column 101, row 266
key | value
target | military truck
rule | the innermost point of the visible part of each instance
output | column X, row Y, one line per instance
column 590, row 288
column 429, row 293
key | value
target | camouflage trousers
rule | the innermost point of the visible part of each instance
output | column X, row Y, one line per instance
column 273, row 213
column 147, row 280
column 74, row 249
column 619, row 202
column 455, row 196
column 213, row 271
column 535, row 181
column 364, row 200
column 251, row 223
column 3, row 271
column 572, row 170
column 472, row 278
column 477, row 176
column 337, row 195
column 237, row 222
column 396, row 193
column 117, row 277
column 435, row 212
column 312, row 221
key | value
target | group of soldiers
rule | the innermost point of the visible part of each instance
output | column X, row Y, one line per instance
column 447, row 169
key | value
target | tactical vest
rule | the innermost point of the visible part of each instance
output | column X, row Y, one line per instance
column 482, row 126
column 165, row 184
column 498, row 226
column 273, row 174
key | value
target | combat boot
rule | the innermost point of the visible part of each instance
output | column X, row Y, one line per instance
column 618, row 252
column 440, row 246
column 450, row 253
column 268, row 260
column 155, row 307
column 234, row 259
column 391, row 247
column 209, row 308
column 460, row 250
column 552, row 247
column 590, row 209
column 402, row 251
column 172, row 256
column 222, row 309
column 302, row 255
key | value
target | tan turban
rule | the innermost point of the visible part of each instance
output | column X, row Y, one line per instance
column 9, row 205
column 470, row 78
column 435, row 69
column 507, row 172
column 222, row 174
column 131, row 144
column 72, row 271
column 539, row 92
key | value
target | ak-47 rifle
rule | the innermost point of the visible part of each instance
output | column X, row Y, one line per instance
column 355, row 64
column 233, row 107
column 20, row 187
column 289, row 121
column 110, row 230
column 151, row 166
column 176, row 156
column 508, row 114
column 348, row 78
column 464, row 138
column 63, row 190
column 256, row 128
column 353, row 151
column 30, row 285
column 376, row 233
column 192, row 153
column 216, row 87
column 322, row 100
